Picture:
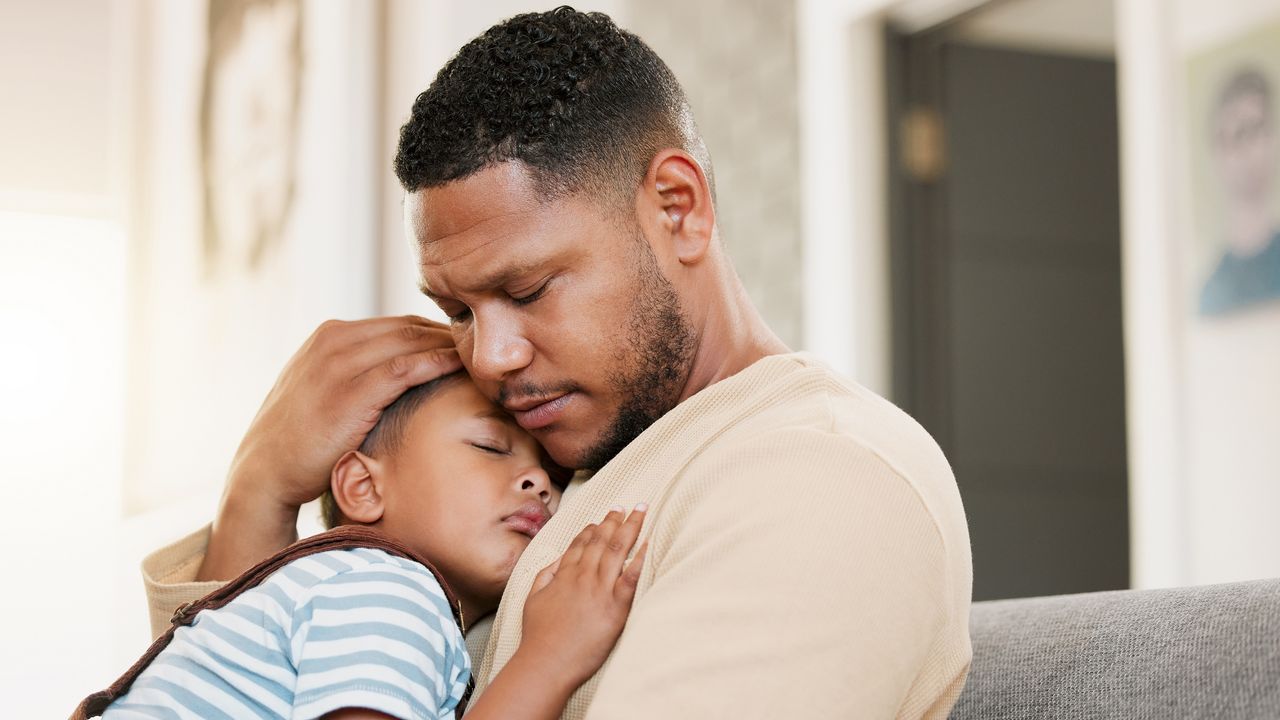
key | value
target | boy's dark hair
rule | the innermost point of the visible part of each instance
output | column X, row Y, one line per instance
column 387, row 436
column 584, row 104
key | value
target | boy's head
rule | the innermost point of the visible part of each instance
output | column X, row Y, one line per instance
column 449, row 474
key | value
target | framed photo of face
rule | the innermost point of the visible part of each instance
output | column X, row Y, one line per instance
column 1234, row 95
column 249, row 109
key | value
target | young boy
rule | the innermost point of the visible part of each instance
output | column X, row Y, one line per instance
column 363, row 634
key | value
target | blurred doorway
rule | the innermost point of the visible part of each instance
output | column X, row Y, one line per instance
column 1005, row 256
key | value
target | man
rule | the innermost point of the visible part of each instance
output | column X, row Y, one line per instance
column 807, row 547
column 1244, row 151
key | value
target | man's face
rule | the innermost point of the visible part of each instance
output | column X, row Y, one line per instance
column 1245, row 144
column 468, row 489
column 558, row 308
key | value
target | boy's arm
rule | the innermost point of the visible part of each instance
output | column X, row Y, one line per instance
column 526, row 689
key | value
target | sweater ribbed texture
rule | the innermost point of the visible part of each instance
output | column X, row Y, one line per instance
column 808, row 554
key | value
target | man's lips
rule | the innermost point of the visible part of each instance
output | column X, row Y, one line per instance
column 535, row 413
column 529, row 519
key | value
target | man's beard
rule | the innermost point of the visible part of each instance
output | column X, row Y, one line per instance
column 655, row 361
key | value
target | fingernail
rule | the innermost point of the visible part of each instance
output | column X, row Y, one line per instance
column 617, row 509
column 641, row 507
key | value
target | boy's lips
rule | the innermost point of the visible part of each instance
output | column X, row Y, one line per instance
column 529, row 519
column 535, row 413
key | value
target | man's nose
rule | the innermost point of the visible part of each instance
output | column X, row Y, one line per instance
column 498, row 347
column 535, row 481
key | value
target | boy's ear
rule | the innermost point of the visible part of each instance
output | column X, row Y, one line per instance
column 355, row 488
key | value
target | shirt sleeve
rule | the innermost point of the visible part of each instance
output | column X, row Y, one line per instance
column 169, row 576
column 380, row 637
column 805, row 578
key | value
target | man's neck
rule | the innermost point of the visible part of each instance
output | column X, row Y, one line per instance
column 733, row 337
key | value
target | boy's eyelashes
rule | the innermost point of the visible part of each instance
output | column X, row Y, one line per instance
column 491, row 448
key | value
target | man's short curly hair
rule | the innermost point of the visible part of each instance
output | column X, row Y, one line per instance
column 584, row 104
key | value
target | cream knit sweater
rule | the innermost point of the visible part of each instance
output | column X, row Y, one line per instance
column 808, row 557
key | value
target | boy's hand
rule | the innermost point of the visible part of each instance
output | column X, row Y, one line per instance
column 327, row 398
column 578, row 605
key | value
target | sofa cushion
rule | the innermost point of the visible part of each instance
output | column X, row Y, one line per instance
column 1200, row 652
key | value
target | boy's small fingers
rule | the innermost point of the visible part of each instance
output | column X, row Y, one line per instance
column 611, row 522
column 597, row 547
column 544, row 577
column 625, row 588
column 620, row 544
column 574, row 553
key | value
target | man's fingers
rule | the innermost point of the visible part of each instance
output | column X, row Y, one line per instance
column 619, row 544
column 335, row 335
column 624, row 590
column 406, row 339
column 383, row 384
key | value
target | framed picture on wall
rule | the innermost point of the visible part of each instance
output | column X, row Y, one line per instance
column 1234, row 95
column 255, row 204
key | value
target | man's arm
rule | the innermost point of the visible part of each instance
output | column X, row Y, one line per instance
column 328, row 397
column 806, row 578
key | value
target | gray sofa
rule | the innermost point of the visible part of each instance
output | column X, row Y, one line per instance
column 1199, row 652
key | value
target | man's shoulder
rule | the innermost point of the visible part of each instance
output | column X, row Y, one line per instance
column 812, row 398
column 820, row 430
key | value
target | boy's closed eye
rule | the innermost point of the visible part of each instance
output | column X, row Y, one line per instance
column 490, row 446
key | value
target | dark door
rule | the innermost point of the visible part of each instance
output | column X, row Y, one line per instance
column 1007, row 307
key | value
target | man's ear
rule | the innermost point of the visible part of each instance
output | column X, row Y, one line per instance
column 355, row 489
column 676, row 192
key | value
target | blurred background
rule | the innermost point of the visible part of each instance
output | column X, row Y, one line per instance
column 1049, row 229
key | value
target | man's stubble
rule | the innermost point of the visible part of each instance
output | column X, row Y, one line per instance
column 655, row 359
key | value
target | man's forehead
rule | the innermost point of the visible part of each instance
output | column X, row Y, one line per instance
column 489, row 228
column 486, row 196
column 487, row 254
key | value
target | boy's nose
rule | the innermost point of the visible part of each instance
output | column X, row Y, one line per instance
column 535, row 480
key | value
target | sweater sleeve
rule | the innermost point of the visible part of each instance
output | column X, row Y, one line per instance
column 169, row 576
column 798, row 576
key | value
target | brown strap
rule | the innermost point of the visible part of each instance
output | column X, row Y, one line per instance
column 340, row 538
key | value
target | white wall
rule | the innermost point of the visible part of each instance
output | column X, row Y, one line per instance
column 63, row 258
column 844, row 216
column 102, row 299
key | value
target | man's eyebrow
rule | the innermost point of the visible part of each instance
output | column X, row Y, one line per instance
column 498, row 278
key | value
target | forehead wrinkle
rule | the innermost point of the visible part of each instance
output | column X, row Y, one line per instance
column 492, row 272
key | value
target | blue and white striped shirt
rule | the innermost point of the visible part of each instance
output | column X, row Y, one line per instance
column 343, row 628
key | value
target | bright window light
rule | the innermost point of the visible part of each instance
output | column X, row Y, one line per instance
column 62, row 308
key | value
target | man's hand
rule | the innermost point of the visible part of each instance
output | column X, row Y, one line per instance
column 329, row 396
